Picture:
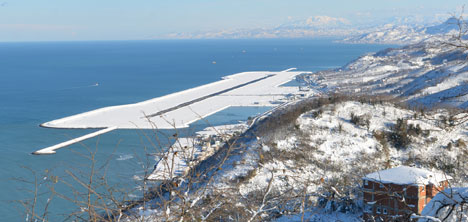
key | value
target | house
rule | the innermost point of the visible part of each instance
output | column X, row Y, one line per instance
column 396, row 193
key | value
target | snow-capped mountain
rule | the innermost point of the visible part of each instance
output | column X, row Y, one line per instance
column 315, row 22
column 390, row 34
column 427, row 73
column 452, row 24
column 405, row 33
column 389, row 30
column 314, row 26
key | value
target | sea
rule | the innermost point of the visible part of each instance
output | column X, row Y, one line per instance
column 43, row 81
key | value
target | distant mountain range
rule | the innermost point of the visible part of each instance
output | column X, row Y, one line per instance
column 316, row 26
column 396, row 30
column 405, row 34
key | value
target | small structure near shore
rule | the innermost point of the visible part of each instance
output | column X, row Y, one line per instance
column 394, row 194
column 184, row 153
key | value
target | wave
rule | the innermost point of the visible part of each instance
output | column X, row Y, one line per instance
column 81, row 87
column 125, row 157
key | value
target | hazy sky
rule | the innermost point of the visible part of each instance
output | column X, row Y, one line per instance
column 36, row 20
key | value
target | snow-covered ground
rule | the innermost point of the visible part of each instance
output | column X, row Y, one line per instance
column 184, row 153
column 425, row 74
column 327, row 149
column 176, row 160
column 316, row 164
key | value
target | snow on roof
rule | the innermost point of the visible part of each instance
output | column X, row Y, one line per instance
column 407, row 175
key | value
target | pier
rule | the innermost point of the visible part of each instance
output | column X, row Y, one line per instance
column 52, row 149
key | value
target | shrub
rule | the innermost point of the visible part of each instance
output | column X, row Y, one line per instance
column 461, row 143
column 362, row 120
column 249, row 175
column 414, row 130
column 449, row 146
column 340, row 127
column 399, row 135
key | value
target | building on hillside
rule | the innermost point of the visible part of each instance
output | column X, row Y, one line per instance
column 394, row 194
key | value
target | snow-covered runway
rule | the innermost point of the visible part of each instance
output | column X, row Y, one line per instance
column 178, row 110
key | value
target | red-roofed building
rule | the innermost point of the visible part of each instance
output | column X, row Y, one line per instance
column 394, row 194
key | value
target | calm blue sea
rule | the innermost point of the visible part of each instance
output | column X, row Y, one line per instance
column 44, row 81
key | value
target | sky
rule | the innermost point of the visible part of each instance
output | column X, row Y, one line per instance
column 68, row 20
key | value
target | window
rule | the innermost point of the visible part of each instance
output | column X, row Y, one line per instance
column 368, row 208
column 366, row 182
column 378, row 210
column 385, row 211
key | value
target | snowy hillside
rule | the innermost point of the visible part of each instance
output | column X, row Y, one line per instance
column 390, row 34
column 325, row 151
column 428, row 73
column 404, row 34
column 306, row 161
